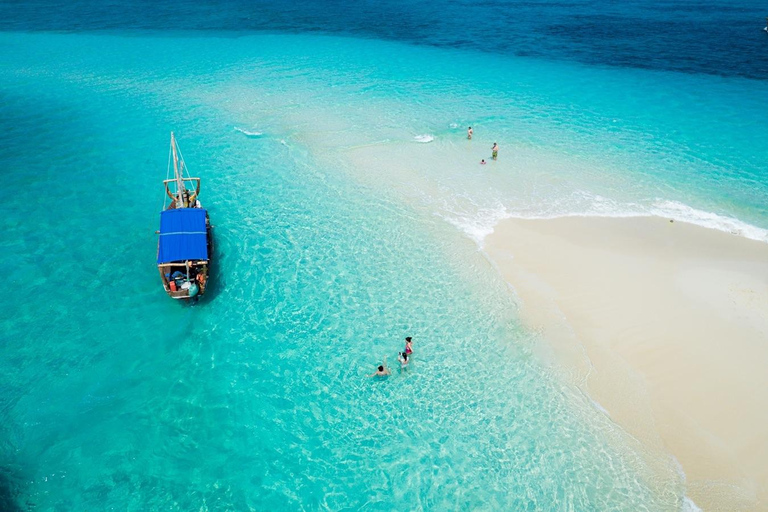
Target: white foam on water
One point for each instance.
(424, 138)
(454, 125)
(599, 407)
(689, 505)
(479, 225)
(248, 133)
(684, 213)
(482, 222)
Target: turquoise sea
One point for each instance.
(349, 212)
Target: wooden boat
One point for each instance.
(185, 244)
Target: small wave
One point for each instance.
(689, 505)
(248, 133)
(480, 225)
(481, 222)
(592, 205)
(599, 407)
(454, 125)
(684, 213)
(424, 138)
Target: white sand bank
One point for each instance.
(666, 326)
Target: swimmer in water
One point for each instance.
(482, 162)
(469, 133)
(408, 346)
(403, 358)
(495, 151)
(382, 370)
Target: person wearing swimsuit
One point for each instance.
(403, 358)
(408, 346)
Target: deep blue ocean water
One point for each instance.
(348, 208)
(721, 37)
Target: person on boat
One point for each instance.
(382, 370)
(190, 269)
(495, 151)
(469, 133)
(408, 346)
(403, 358)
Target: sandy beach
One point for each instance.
(665, 325)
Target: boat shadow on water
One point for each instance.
(8, 492)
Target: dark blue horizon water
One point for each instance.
(718, 37)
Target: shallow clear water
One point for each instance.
(336, 172)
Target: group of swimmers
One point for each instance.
(404, 357)
(494, 149)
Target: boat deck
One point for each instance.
(179, 294)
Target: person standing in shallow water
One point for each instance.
(469, 133)
(403, 358)
(495, 151)
(408, 346)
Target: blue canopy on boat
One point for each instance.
(182, 235)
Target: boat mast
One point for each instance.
(179, 181)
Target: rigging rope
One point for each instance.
(167, 173)
(182, 163)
